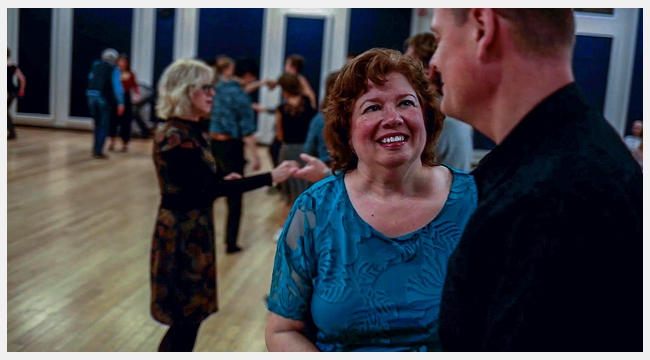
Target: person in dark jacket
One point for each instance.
(105, 97)
(183, 263)
(552, 258)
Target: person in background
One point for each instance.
(552, 258)
(131, 92)
(13, 91)
(105, 96)
(247, 70)
(633, 141)
(638, 151)
(183, 263)
(456, 143)
(315, 143)
(232, 128)
(292, 120)
(361, 261)
(294, 64)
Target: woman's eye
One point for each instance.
(408, 103)
(371, 108)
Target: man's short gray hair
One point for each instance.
(110, 55)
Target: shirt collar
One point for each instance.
(548, 116)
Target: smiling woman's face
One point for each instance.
(387, 126)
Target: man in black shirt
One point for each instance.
(552, 259)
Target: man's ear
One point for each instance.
(485, 31)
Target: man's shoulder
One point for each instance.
(230, 91)
(229, 86)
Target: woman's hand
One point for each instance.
(314, 169)
(270, 83)
(258, 108)
(284, 171)
(232, 176)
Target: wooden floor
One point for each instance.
(78, 241)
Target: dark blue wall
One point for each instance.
(95, 30)
(164, 46)
(304, 37)
(236, 33)
(590, 67)
(635, 109)
(386, 28)
(233, 32)
(34, 59)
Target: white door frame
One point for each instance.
(334, 52)
(622, 28)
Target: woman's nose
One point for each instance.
(391, 116)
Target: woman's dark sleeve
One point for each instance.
(188, 170)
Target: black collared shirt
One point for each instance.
(552, 259)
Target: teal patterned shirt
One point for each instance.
(232, 113)
(356, 289)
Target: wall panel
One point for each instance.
(635, 108)
(591, 66)
(304, 36)
(95, 30)
(378, 27)
(164, 48)
(33, 58)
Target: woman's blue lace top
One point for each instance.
(356, 289)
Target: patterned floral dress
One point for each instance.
(357, 289)
(183, 264)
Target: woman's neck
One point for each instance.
(405, 181)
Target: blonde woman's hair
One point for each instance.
(176, 84)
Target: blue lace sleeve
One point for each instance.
(294, 268)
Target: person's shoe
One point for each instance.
(231, 249)
(100, 156)
(111, 147)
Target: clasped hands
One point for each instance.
(313, 170)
